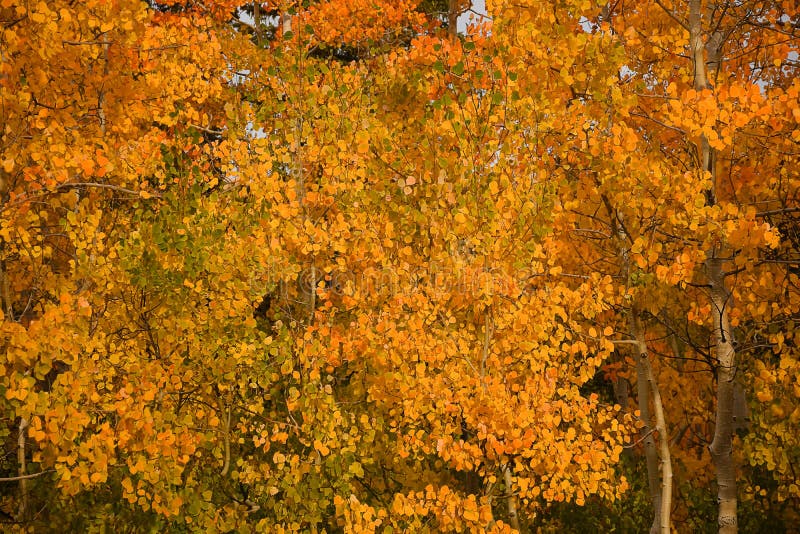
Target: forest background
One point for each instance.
(354, 266)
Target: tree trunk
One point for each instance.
(286, 21)
(662, 496)
(644, 385)
(22, 512)
(452, 18)
(257, 21)
(722, 446)
(513, 516)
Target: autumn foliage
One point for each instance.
(341, 266)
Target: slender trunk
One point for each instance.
(307, 281)
(286, 21)
(452, 18)
(227, 454)
(487, 338)
(257, 21)
(101, 96)
(5, 287)
(312, 293)
(622, 394)
(489, 501)
(21, 460)
(722, 445)
(644, 384)
(513, 517)
(645, 371)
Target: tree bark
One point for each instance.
(644, 386)
(662, 497)
(23, 479)
(513, 516)
(722, 445)
(257, 21)
(645, 382)
(286, 21)
(452, 18)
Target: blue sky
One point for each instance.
(478, 6)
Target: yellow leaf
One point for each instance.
(471, 515)
(321, 448)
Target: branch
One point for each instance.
(160, 48)
(206, 129)
(43, 192)
(672, 15)
(777, 212)
(665, 125)
(25, 477)
(735, 271)
(81, 43)
(105, 186)
(641, 439)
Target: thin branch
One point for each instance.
(487, 336)
(82, 43)
(206, 129)
(25, 477)
(672, 15)
(160, 48)
(104, 186)
(640, 440)
(30, 197)
(777, 212)
(665, 125)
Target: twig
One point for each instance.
(777, 212)
(206, 129)
(104, 186)
(25, 477)
(672, 15)
(81, 43)
(641, 439)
